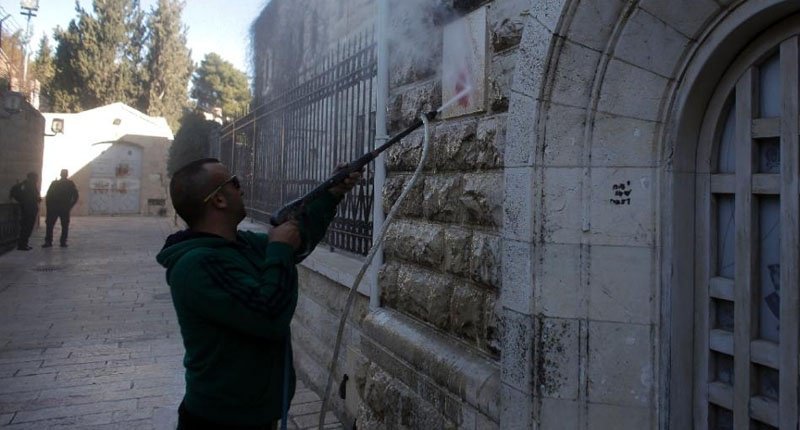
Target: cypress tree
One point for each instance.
(169, 62)
(99, 57)
(43, 70)
(217, 83)
(191, 141)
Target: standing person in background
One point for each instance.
(26, 193)
(61, 197)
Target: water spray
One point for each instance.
(456, 99)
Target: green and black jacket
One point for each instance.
(234, 302)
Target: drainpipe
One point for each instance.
(382, 27)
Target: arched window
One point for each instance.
(746, 297)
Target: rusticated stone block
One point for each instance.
(506, 23)
(394, 187)
(507, 33)
(407, 107)
(441, 198)
(467, 316)
(394, 108)
(391, 404)
(379, 395)
(366, 420)
(452, 145)
(405, 155)
(456, 257)
(485, 261)
(406, 72)
(425, 295)
(493, 328)
(482, 200)
(387, 278)
(408, 69)
(413, 25)
(415, 241)
(490, 141)
(499, 82)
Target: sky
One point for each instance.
(220, 26)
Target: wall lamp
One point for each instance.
(57, 126)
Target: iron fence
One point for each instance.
(287, 146)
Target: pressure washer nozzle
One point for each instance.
(432, 115)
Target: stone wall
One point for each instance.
(154, 184)
(22, 149)
(519, 290)
(22, 146)
(442, 275)
(314, 328)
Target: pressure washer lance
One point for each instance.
(293, 209)
(423, 120)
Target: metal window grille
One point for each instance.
(287, 146)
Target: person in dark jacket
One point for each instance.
(61, 197)
(235, 293)
(26, 193)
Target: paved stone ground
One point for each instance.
(88, 335)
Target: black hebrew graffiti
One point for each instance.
(622, 193)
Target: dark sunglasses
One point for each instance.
(232, 180)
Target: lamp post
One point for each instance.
(29, 9)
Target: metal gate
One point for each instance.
(115, 181)
(290, 144)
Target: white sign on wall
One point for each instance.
(464, 65)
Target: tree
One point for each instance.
(99, 59)
(191, 141)
(118, 63)
(169, 63)
(218, 84)
(12, 48)
(67, 81)
(44, 68)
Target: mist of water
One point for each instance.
(415, 34)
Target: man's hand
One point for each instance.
(343, 188)
(288, 233)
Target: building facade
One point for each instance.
(22, 148)
(579, 245)
(117, 157)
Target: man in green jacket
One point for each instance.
(235, 293)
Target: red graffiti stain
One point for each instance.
(122, 170)
(462, 82)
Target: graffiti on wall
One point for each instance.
(116, 181)
(622, 193)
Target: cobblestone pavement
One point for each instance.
(88, 335)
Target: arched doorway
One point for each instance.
(115, 181)
(746, 264)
